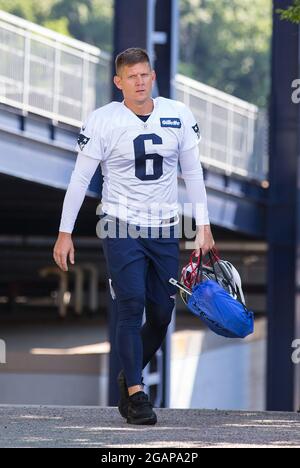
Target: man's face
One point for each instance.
(135, 82)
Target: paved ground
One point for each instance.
(45, 426)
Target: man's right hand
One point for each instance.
(63, 249)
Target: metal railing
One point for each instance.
(48, 73)
(234, 132)
(64, 79)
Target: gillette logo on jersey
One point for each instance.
(169, 122)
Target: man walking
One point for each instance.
(139, 144)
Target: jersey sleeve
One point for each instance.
(89, 141)
(82, 174)
(191, 132)
(192, 173)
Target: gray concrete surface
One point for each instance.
(49, 426)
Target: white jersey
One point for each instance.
(139, 160)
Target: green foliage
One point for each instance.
(228, 43)
(87, 20)
(223, 43)
(60, 25)
(292, 13)
(32, 10)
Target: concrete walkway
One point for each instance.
(45, 426)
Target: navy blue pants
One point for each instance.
(140, 270)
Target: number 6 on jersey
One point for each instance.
(144, 170)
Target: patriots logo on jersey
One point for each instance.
(82, 140)
(170, 122)
(196, 130)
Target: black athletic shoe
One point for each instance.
(124, 396)
(140, 410)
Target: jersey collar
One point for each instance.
(155, 105)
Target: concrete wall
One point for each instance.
(212, 372)
(54, 380)
(68, 365)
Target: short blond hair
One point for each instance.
(131, 56)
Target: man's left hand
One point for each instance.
(204, 240)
